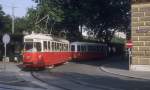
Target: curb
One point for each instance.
(18, 79)
(13, 81)
(102, 68)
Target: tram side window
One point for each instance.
(38, 46)
(78, 48)
(57, 46)
(53, 46)
(49, 46)
(60, 47)
(83, 48)
(102, 50)
(99, 48)
(28, 45)
(45, 45)
(90, 48)
(65, 47)
(72, 48)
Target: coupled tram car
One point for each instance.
(88, 51)
(43, 50)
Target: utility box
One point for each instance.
(6, 59)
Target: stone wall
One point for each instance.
(140, 29)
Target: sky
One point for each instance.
(21, 6)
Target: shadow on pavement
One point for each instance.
(68, 79)
(118, 62)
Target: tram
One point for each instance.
(88, 51)
(43, 50)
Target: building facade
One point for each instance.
(140, 34)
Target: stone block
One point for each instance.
(135, 38)
(137, 43)
(134, 28)
(136, 24)
(134, 19)
(144, 9)
(135, 33)
(134, 9)
(137, 14)
(147, 43)
(147, 13)
(134, 61)
(147, 23)
(144, 38)
(144, 48)
(147, 34)
(138, 53)
(144, 61)
(135, 48)
(144, 18)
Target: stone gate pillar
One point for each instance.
(140, 34)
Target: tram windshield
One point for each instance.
(32, 46)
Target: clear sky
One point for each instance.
(21, 6)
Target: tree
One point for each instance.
(98, 15)
(5, 22)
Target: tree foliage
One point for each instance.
(103, 17)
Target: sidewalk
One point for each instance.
(9, 73)
(121, 67)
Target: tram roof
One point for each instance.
(86, 43)
(38, 36)
(44, 37)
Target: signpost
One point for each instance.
(129, 45)
(6, 40)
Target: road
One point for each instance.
(87, 75)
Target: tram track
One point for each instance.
(81, 83)
(54, 85)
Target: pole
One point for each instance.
(5, 58)
(13, 19)
(129, 51)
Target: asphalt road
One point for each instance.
(87, 75)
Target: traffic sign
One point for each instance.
(129, 44)
(6, 38)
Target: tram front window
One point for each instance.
(28, 46)
(32, 47)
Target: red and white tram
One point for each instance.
(88, 51)
(41, 50)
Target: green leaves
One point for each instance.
(97, 15)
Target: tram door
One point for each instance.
(73, 50)
(45, 52)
